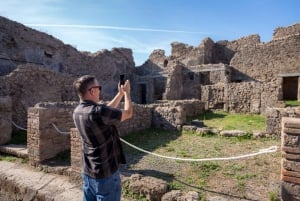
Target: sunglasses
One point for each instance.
(99, 87)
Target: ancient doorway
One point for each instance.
(290, 88)
(143, 93)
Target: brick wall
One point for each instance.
(290, 171)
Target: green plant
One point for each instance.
(273, 196)
(226, 121)
(8, 158)
(126, 192)
(174, 186)
(292, 103)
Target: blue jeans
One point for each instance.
(106, 189)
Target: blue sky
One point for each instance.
(145, 25)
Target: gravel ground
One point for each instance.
(2, 198)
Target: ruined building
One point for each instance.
(243, 75)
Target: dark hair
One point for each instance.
(82, 84)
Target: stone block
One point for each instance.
(285, 172)
(294, 131)
(232, 133)
(290, 140)
(290, 191)
(290, 156)
(291, 165)
(294, 150)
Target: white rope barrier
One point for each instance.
(19, 127)
(59, 131)
(261, 151)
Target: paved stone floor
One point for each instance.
(37, 183)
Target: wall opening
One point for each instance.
(204, 78)
(143, 93)
(290, 88)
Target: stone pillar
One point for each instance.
(5, 119)
(76, 151)
(290, 166)
(43, 140)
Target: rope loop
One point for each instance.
(261, 151)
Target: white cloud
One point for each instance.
(80, 26)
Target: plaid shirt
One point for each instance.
(101, 145)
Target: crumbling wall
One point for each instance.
(174, 86)
(283, 32)
(274, 116)
(20, 45)
(49, 125)
(30, 84)
(190, 56)
(245, 97)
(265, 62)
(172, 115)
(43, 140)
(5, 119)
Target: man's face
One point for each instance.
(95, 91)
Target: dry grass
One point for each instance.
(254, 178)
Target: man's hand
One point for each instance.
(126, 87)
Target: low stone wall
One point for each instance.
(246, 97)
(5, 119)
(274, 117)
(141, 119)
(172, 115)
(43, 140)
(290, 171)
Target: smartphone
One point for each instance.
(122, 79)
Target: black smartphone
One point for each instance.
(122, 79)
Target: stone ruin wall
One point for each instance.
(283, 32)
(44, 141)
(245, 97)
(275, 115)
(265, 62)
(5, 119)
(30, 84)
(172, 115)
(20, 44)
(27, 55)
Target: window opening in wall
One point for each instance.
(191, 75)
(165, 63)
(143, 93)
(290, 88)
(204, 78)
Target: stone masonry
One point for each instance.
(290, 169)
(36, 67)
(274, 118)
(43, 140)
(5, 119)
